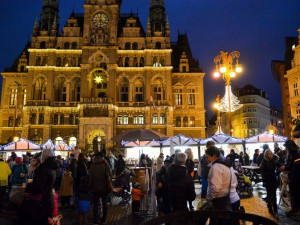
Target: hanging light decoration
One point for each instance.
(234, 102)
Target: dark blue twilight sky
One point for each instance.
(256, 28)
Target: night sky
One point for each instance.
(256, 28)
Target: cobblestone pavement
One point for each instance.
(121, 214)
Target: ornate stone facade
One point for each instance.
(100, 76)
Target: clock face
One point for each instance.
(100, 20)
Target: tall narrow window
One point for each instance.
(191, 96)
(71, 119)
(127, 46)
(155, 119)
(158, 89)
(178, 121)
(76, 120)
(135, 119)
(62, 119)
(120, 120)
(295, 89)
(125, 119)
(135, 46)
(185, 121)
(127, 61)
(10, 121)
(55, 119)
(39, 90)
(13, 96)
(192, 122)
(141, 119)
(41, 118)
(142, 62)
(178, 96)
(157, 45)
(67, 45)
(162, 119)
(33, 119)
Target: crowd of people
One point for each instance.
(81, 181)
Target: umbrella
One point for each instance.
(140, 135)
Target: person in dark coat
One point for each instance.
(81, 169)
(269, 178)
(241, 158)
(190, 166)
(181, 186)
(231, 157)
(246, 159)
(293, 168)
(261, 157)
(39, 204)
(255, 156)
(120, 165)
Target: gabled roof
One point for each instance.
(123, 19)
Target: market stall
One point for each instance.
(62, 149)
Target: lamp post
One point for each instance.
(228, 65)
(217, 106)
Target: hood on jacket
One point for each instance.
(99, 160)
(177, 172)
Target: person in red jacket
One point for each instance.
(136, 197)
(55, 210)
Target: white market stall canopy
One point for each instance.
(132, 144)
(21, 145)
(222, 139)
(180, 140)
(265, 137)
(62, 146)
(48, 145)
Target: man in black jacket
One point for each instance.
(181, 187)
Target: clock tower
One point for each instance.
(101, 22)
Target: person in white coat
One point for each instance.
(159, 162)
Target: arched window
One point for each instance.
(155, 118)
(58, 140)
(22, 69)
(45, 61)
(124, 90)
(142, 62)
(73, 141)
(135, 119)
(155, 61)
(62, 119)
(178, 121)
(67, 45)
(125, 119)
(103, 65)
(192, 121)
(43, 45)
(162, 119)
(18, 121)
(141, 119)
(158, 89)
(71, 119)
(76, 88)
(127, 46)
(58, 61)
(127, 61)
(74, 45)
(10, 121)
(120, 120)
(135, 62)
(185, 121)
(55, 119)
(39, 89)
(41, 118)
(157, 45)
(135, 46)
(33, 119)
(61, 90)
(138, 90)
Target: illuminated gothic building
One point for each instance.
(100, 75)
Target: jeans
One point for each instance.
(96, 201)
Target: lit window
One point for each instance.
(73, 141)
(24, 96)
(178, 96)
(141, 119)
(58, 140)
(191, 96)
(135, 119)
(162, 119)
(155, 119)
(120, 120)
(13, 96)
(125, 119)
(185, 121)
(192, 122)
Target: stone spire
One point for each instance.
(49, 13)
(157, 16)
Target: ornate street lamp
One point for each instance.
(229, 66)
(218, 124)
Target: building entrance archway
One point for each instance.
(96, 141)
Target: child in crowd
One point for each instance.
(136, 197)
(66, 188)
(84, 202)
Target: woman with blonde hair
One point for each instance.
(190, 166)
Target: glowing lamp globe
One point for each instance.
(216, 105)
(223, 69)
(232, 74)
(16, 139)
(216, 74)
(238, 69)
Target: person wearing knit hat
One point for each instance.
(181, 187)
(180, 158)
(19, 171)
(46, 154)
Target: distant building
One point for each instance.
(293, 80)
(277, 124)
(102, 75)
(279, 69)
(254, 117)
